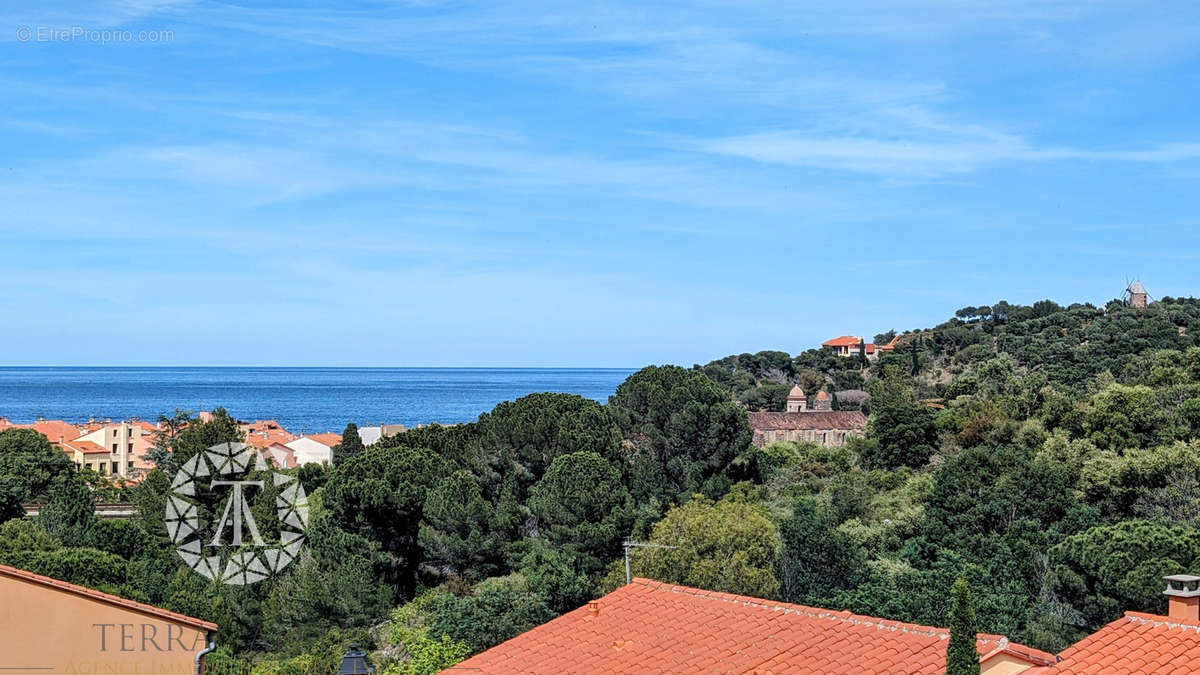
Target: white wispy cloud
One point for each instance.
(913, 142)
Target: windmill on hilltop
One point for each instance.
(1135, 294)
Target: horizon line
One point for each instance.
(5, 367)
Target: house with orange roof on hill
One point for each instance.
(851, 345)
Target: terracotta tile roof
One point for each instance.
(826, 419)
(1135, 643)
(870, 347)
(326, 439)
(55, 430)
(265, 433)
(652, 627)
(843, 341)
(891, 345)
(86, 447)
(142, 607)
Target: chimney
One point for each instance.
(1183, 597)
(594, 608)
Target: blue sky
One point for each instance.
(577, 184)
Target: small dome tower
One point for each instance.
(796, 400)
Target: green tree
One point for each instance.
(429, 656)
(29, 466)
(457, 528)
(583, 508)
(961, 656)
(24, 534)
(195, 437)
(524, 436)
(70, 511)
(817, 559)
(1120, 418)
(381, 494)
(495, 610)
(730, 546)
(1109, 569)
(83, 566)
(693, 433)
(555, 575)
(350, 446)
(903, 427)
(332, 585)
(163, 438)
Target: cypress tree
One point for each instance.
(961, 657)
(350, 446)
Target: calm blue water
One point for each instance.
(309, 400)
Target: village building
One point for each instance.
(372, 435)
(265, 433)
(48, 625)
(314, 448)
(127, 443)
(821, 424)
(87, 454)
(283, 456)
(108, 448)
(848, 345)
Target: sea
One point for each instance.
(302, 400)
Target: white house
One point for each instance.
(311, 450)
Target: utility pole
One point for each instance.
(637, 544)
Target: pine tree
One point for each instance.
(70, 511)
(961, 657)
(350, 446)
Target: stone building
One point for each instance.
(821, 424)
(1137, 295)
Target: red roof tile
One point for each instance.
(1135, 643)
(265, 433)
(86, 447)
(326, 439)
(826, 419)
(652, 627)
(843, 341)
(92, 593)
(55, 430)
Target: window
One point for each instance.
(114, 447)
(131, 447)
(114, 468)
